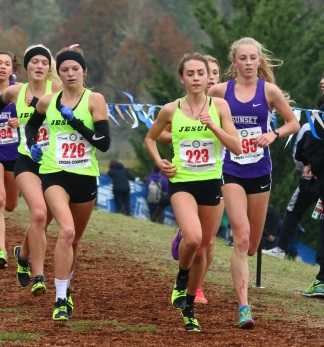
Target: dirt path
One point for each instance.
(120, 303)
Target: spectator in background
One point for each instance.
(157, 194)
(314, 159)
(120, 177)
(224, 230)
(271, 228)
(305, 195)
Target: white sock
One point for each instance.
(61, 287)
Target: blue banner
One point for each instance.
(138, 194)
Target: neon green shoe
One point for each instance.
(23, 268)
(190, 322)
(246, 321)
(178, 298)
(38, 287)
(69, 302)
(316, 289)
(60, 310)
(3, 259)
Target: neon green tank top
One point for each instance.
(24, 112)
(68, 150)
(197, 151)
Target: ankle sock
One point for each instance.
(61, 287)
(241, 307)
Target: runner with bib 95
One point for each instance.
(251, 94)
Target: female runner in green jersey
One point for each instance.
(41, 80)
(78, 125)
(200, 126)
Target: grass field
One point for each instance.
(149, 244)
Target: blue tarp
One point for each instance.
(139, 207)
(306, 253)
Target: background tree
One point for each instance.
(38, 19)
(293, 30)
(14, 40)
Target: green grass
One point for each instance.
(149, 244)
(6, 336)
(82, 326)
(9, 310)
(13, 314)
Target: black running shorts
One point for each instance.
(250, 185)
(80, 188)
(205, 192)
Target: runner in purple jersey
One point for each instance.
(8, 152)
(9, 138)
(251, 94)
(252, 119)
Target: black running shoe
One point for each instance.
(38, 287)
(178, 298)
(23, 268)
(3, 259)
(190, 322)
(69, 302)
(60, 310)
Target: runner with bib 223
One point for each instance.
(200, 126)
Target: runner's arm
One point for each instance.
(278, 101)
(166, 136)
(218, 90)
(36, 120)
(99, 137)
(9, 95)
(162, 121)
(227, 133)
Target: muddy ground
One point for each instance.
(118, 302)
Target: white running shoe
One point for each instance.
(274, 252)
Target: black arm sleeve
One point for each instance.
(2, 103)
(99, 138)
(34, 101)
(32, 126)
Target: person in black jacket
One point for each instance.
(314, 157)
(120, 177)
(305, 195)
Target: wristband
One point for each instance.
(276, 132)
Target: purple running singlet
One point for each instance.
(251, 119)
(9, 137)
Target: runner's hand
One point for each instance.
(206, 120)
(266, 139)
(307, 172)
(67, 113)
(36, 153)
(167, 168)
(13, 122)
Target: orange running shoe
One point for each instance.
(200, 297)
